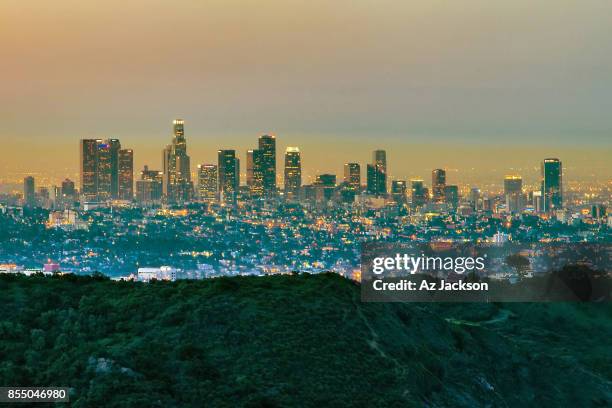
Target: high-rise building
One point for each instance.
(293, 173)
(352, 176)
(379, 158)
(418, 193)
(438, 182)
(475, 199)
(267, 146)
(104, 171)
(88, 168)
(451, 195)
(324, 187)
(513, 193)
(255, 173)
(68, 192)
(398, 191)
(376, 174)
(29, 192)
(552, 185)
(126, 174)
(207, 182)
(177, 185)
(149, 187)
(114, 146)
(229, 171)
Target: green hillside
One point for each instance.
(304, 341)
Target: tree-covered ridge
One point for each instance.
(303, 340)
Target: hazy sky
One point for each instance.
(424, 79)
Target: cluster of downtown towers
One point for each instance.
(107, 172)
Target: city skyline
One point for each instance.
(422, 78)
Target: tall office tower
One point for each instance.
(475, 198)
(293, 173)
(352, 176)
(126, 174)
(418, 193)
(324, 187)
(255, 173)
(513, 193)
(376, 180)
(379, 158)
(149, 187)
(29, 192)
(398, 191)
(228, 167)
(267, 146)
(552, 185)
(68, 193)
(438, 181)
(177, 185)
(104, 171)
(114, 148)
(88, 151)
(451, 196)
(207, 182)
(377, 174)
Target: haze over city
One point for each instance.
(484, 88)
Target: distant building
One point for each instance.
(207, 182)
(475, 198)
(438, 182)
(267, 146)
(229, 173)
(29, 192)
(513, 193)
(177, 185)
(126, 174)
(325, 185)
(101, 164)
(149, 188)
(398, 191)
(68, 192)
(418, 193)
(451, 196)
(377, 174)
(352, 176)
(552, 185)
(293, 173)
(254, 168)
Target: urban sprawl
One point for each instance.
(168, 224)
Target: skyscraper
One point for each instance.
(451, 195)
(438, 182)
(379, 158)
(126, 174)
(398, 191)
(552, 185)
(267, 146)
(229, 170)
(177, 183)
(104, 171)
(149, 187)
(418, 193)
(293, 173)
(377, 174)
(255, 173)
(114, 148)
(207, 182)
(68, 192)
(324, 187)
(29, 192)
(513, 193)
(88, 167)
(352, 176)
